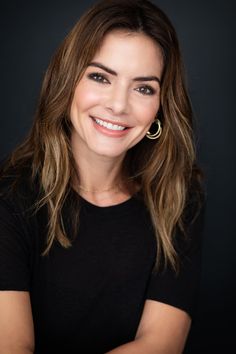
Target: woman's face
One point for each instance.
(118, 97)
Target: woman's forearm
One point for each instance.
(138, 346)
(16, 350)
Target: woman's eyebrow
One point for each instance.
(112, 72)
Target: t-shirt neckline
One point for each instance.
(92, 206)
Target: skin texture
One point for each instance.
(119, 99)
(16, 323)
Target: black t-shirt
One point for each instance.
(89, 298)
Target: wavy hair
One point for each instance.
(164, 169)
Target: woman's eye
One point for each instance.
(98, 77)
(146, 90)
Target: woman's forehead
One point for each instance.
(130, 51)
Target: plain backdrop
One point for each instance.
(30, 31)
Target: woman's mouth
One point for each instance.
(109, 125)
(114, 127)
(110, 128)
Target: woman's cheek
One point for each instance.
(146, 113)
(87, 97)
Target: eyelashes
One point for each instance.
(146, 90)
(99, 78)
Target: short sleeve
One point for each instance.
(14, 250)
(181, 289)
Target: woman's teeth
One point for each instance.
(108, 125)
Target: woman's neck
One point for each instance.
(99, 179)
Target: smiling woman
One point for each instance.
(119, 100)
(100, 207)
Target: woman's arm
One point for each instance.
(163, 329)
(16, 323)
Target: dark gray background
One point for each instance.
(31, 31)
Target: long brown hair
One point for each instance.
(164, 169)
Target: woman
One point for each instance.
(98, 246)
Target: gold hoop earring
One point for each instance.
(158, 132)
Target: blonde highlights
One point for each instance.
(164, 169)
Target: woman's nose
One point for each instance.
(117, 100)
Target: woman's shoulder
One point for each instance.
(17, 187)
(195, 203)
(189, 233)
